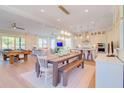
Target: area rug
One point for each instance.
(78, 78)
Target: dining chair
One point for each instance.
(45, 69)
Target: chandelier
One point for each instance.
(63, 35)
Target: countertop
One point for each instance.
(103, 58)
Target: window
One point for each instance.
(7, 42)
(43, 42)
(17, 43)
(46, 42)
(40, 43)
(20, 43)
(68, 42)
(53, 43)
(13, 42)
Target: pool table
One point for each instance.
(15, 54)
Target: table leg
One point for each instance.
(80, 56)
(55, 74)
(11, 59)
(17, 56)
(67, 61)
(25, 57)
(82, 65)
(4, 58)
(37, 69)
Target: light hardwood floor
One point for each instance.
(93, 80)
(9, 74)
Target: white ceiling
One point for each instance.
(34, 21)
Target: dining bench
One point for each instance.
(64, 70)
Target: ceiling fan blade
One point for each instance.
(63, 9)
(20, 28)
(15, 27)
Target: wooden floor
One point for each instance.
(9, 73)
(93, 80)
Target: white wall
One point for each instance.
(113, 35)
(122, 34)
(121, 27)
(31, 41)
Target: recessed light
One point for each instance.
(58, 19)
(70, 25)
(92, 22)
(42, 10)
(86, 10)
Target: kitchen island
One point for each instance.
(109, 72)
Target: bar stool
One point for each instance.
(89, 55)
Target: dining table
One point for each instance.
(56, 60)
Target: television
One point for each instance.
(59, 44)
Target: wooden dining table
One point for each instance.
(56, 60)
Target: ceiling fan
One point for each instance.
(16, 27)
